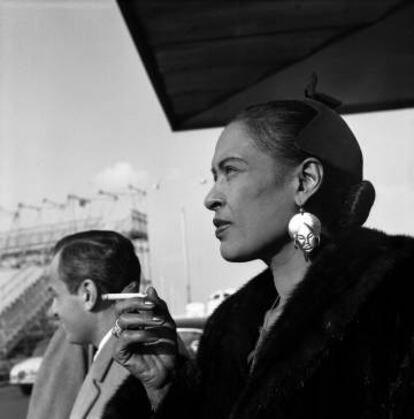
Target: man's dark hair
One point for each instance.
(106, 257)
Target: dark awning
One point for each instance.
(208, 59)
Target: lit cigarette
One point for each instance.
(122, 296)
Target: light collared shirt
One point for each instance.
(102, 343)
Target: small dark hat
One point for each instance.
(328, 137)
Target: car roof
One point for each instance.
(190, 322)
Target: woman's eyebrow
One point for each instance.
(226, 160)
(230, 160)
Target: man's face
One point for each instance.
(68, 307)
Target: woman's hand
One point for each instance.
(147, 342)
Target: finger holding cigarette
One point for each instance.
(144, 314)
(147, 305)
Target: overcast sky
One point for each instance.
(78, 113)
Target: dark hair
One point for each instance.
(341, 202)
(106, 257)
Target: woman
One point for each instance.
(327, 330)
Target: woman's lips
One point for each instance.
(221, 227)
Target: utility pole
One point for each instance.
(185, 253)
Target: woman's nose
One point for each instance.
(213, 199)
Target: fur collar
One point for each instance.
(342, 278)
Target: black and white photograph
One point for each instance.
(206, 209)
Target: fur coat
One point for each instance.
(342, 348)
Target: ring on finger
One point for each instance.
(117, 329)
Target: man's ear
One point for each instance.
(89, 294)
(310, 175)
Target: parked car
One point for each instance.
(216, 298)
(5, 367)
(190, 330)
(23, 374)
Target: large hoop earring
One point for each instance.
(305, 230)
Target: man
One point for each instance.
(84, 266)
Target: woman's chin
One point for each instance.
(231, 254)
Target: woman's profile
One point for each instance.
(326, 331)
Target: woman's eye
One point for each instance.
(228, 170)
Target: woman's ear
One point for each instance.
(310, 176)
(88, 293)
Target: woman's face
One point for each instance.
(252, 197)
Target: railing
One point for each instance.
(22, 280)
(19, 313)
(43, 237)
(23, 241)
